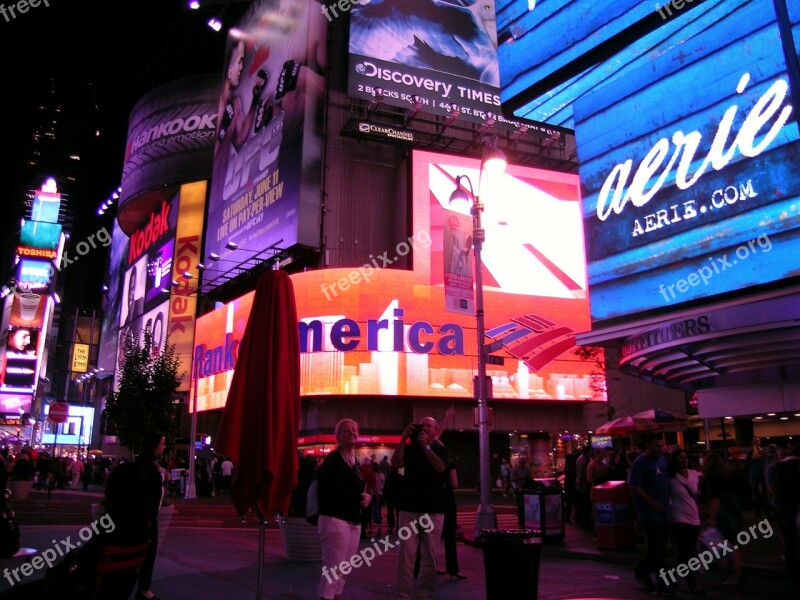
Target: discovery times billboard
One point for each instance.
(688, 160)
(434, 53)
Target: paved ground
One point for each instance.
(208, 553)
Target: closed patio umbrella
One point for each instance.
(261, 420)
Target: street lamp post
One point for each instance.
(493, 160)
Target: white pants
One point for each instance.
(339, 540)
(427, 544)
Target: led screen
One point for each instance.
(46, 207)
(34, 275)
(40, 235)
(378, 331)
(539, 81)
(159, 271)
(15, 404)
(267, 145)
(688, 167)
(20, 361)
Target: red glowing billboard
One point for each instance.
(375, 331)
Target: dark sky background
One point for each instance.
(119, 47)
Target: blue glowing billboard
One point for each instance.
(688, 167)
(36, 234)
(687, 141)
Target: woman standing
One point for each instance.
(684, 515)
(341, 499)
(153, 445)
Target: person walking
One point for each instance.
(76, 469)
(341, 499)
(505, 476)
(153, 445)
(583, 503)
(425, 459)
(368, 475)
(787, 502)
(649, 484)
(392, 493)
(725, 507)
(684, 513)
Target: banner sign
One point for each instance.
(265, 184)
(458, 260)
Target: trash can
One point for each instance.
(511, 563)
(541, 507)
(613, 516)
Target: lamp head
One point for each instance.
(494, 160)
(460, 200)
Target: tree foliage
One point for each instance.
(144, 398)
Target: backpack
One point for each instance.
(312, 503)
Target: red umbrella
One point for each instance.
(259, 426)
(261, 420)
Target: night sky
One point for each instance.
(111, 44)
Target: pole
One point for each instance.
(191, 491)
(485, 517)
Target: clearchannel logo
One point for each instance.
(371, 128)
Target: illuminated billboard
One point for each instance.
(426, 55)
(46, 207)
(265, 186)
(28, 310)
(692, 195)
(539, 81)
(16, 404)
(35, 234)
(34, 275)
(170, 136)
(375, 331)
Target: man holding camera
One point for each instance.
(424, 459)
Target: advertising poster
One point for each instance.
(171, 136)
(216, 348)
(15, 404)
(35, 234)
(46, 207)
(156, 319)
(35, 275)
(159, 270)
(698, 197)
(378, 331)
(432, 53)
(188, 252)
(114, 296)
(28, 309)
(458, 261)
(265, 186)
(21, 359)
(134, 286)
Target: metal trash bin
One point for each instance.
(511, 563)
(541, 507)
(613, 516)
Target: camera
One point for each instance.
(416, 429)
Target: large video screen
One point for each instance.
(372, 330)
(35, 234)
(688, 167)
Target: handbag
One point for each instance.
(9, 534)
(312, 503)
